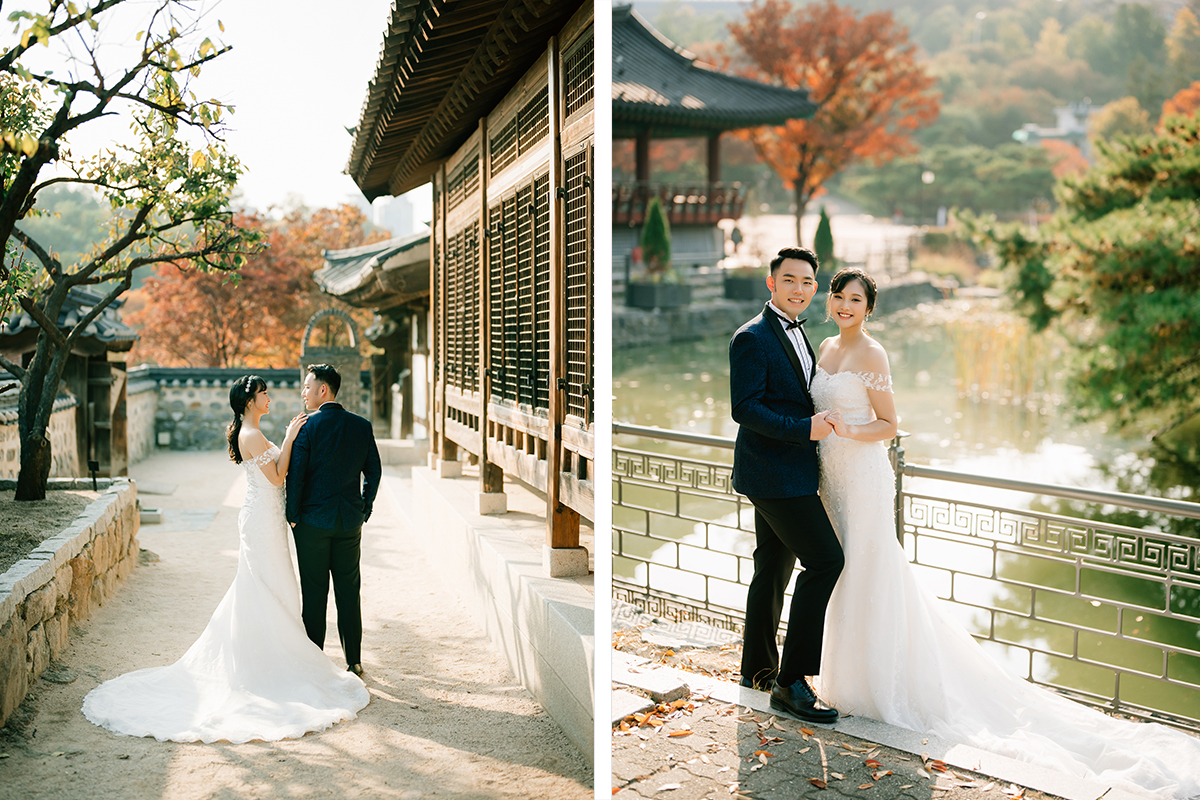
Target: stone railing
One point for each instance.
(63, 582)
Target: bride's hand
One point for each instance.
(295, 425)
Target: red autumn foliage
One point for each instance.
(193, 318)
(1068, 160)
(863, 73)
(1185, 102)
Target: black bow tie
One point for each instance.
(789, 325)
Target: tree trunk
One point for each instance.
(35, 468)
(801, 203)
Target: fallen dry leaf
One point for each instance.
(907, 786)
(1014, 791)
(817, 782)
(807, 732)
(940, 766)
(838, 776)
(880, 774)
(923, 773)
(865, 785)
(805, 750)
(666, 787)
(757, 767)
(872, 763)
(616, 789)
(679, 733)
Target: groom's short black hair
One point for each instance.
(800, 253)
(327, 375)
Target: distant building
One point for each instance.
(660, 91)
(393, 214)
(1070, 125)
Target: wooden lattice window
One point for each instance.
(578, 285)
(519, 278)
(462, 308)
(518, 136)
(579, 73)
(463, 181)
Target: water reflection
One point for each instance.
(980, 394)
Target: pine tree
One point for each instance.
(1116, 271)
(823, 242)
(656, 238)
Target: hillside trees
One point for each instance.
(1115, 272)
(167, 183)
(863, 72)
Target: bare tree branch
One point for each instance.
(17, 51)
(97, 309)
(15, 369)
(43, 321)
(52, 264)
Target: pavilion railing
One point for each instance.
(1102, 612)
(684, 204)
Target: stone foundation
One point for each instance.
(60, 583)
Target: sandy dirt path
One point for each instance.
(446, 719)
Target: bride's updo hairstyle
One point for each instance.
(240, 395)
(843, 277)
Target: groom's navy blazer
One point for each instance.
(334, 470)
(774, 456)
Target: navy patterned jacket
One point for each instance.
(773, 457)
(334, 469)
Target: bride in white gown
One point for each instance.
(253, 673)
(893, 654)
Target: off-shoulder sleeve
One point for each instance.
(876, 381)
(270, 454)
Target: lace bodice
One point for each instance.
(256, 481)
(847, 392)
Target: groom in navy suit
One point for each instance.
(775, 465)
(331, 486)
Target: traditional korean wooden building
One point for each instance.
(95, 375)
(492, 101)
(660, 91)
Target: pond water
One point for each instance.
(977, 393)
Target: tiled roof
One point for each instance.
(106, 328)
(660, 87)
(378, 275)
(443, 65)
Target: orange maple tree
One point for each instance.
(191, 318)
(1185, 102)
(1068, 159)
(863, 74)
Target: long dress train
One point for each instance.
(253, 673)
(892, 653)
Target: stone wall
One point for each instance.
(60, 583)
(191, 405)
(62, 438)
(141, 405)
(633, 327)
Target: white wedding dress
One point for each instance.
(253, 673)
(892, 653)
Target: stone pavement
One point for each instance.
(446, 717)
(683, 729)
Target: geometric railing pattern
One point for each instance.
(1104, 613)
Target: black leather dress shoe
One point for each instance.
(799, 699)
(356, 669)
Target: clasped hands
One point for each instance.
(828, 422)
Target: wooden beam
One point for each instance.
(562, 523)
(491, 476)
(642, 157)
(714, 157)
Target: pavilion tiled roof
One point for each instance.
(106, 331)
(661, 88)
(378, 275)
(443, 65)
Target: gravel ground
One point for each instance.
(446, 717)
